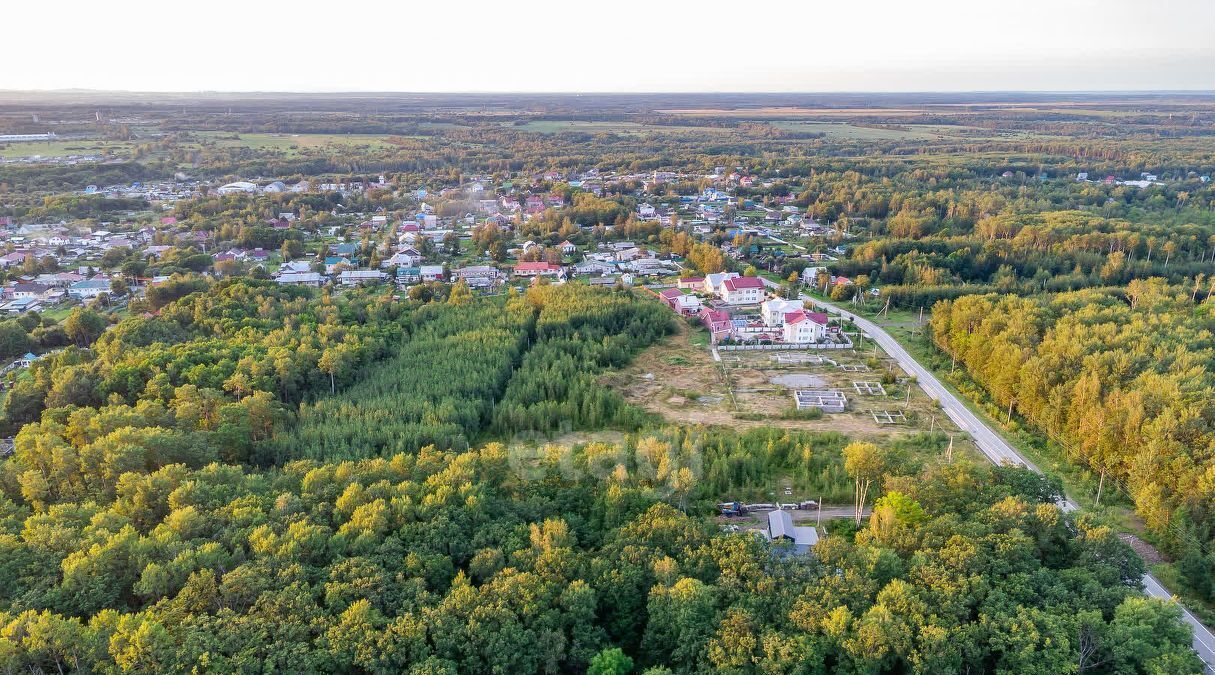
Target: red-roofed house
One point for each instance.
(536, 269)
(802, 326)
(742, 291)
(679, 301)
(717, 322)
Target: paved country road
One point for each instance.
(996, 448)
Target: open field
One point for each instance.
(787, 112)
(566, 126)
(286, 143)
(844, 131)
(291, 143)
(682, 383)
(66, 148)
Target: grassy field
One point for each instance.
(65, 148)
(584, 126)
(286, 143)
(849, 132)
(293, 143)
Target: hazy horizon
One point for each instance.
(623, 47)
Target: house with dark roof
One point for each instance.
(781, 530)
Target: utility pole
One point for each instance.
(921, 314)
(1010, 406)
(907, 403)
(949, 450)
(820, 512)
(933, 424)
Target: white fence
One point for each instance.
(784, 346)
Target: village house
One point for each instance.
(294, 267)
(22, 291)
(332, 262)
(594, 268)
(14, 258)
(311, 279)
(408, 275)
(361, 277)
(718, 323)
(90, 288)
(802, 327)
(742, 291)
(536, 269)
(477, 276)
(782, 530)
(774, 310)
(21, 306)
(432, 272)
(683, 303)
(713, 281)
(406, 257)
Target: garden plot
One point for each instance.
(804, 380)
(888, 417)
(868, 388)
(827, 400)
(805, 359)
(854, 367)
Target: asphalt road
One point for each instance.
(996, 448)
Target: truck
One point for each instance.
(731, 509)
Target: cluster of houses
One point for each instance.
(504, 202)
(34, 293)
(710, 298)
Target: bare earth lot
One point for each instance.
(683, 383)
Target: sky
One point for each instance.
(612, 46)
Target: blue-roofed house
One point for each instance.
(333, 261)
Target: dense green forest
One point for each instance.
(259, 479)
(523, 363)
(1122, 378)
(445, 562)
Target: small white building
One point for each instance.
(237, 187)
(431, 272)
(404, 258)
(312, 279)
(361, 277)
(90, 288)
